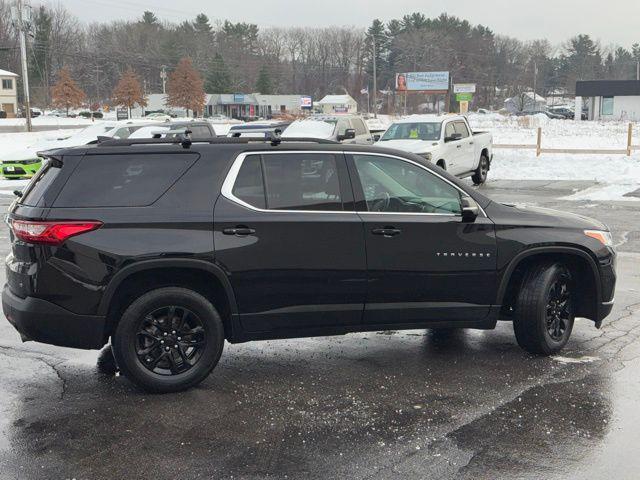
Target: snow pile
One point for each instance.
(42, 121)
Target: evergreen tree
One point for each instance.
(218, 76)
(66, 93)
(149, 18)
(129, 92)
(185, 88)
(264, 84)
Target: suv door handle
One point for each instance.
(386, 231)
(459, 146)
(239, 231)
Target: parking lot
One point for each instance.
(375, 405)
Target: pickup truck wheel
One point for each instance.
(168, 340)
(544, 313)
(480, 175)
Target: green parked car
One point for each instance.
(15, 169)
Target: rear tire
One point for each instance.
(544, 313)
(168, 340)
(481, 173)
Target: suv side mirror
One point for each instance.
(376, 137)
(348, 134)
(470, 209)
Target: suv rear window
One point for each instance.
(39, 185)
(123, 180)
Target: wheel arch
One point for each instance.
(579, 262)
(204, 277)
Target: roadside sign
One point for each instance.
(464, 88)
(122, 113)
(464, 107)
(464, 97)
(306, 102)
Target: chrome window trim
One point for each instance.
(227, 185)
(230, 180)
(432, 172)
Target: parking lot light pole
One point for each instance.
(375, 79)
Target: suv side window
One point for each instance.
(289, 181)
(200, 131)
(394, 185)
(249, 184)
(302, 181)
(449, 130)
(462, 129)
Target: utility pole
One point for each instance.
(535, 84)
(163, 76)
(375, 78)
(22, 27)
(638, 70)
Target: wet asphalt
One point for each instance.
(410, 405)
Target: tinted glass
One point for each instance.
(123, 180)
(40, 183)
(249, 186)
(393, 185)
(298, 181)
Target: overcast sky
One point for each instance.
(611, 21)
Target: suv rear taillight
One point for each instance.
(50, 233)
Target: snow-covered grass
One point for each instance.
(616, 174)
(9, 142)
(43, 121)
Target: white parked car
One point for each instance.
(339, 128)
(446, 140)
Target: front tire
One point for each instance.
(168, 340)
(481, 173)
(544, 313)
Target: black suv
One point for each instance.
(170, 247)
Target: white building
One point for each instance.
(338, 104)
(8, 93)
(610, 99)
(255, 105)
(157, 102)
(525, 102)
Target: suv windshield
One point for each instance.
(413, 131)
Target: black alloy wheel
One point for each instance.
(170, 340)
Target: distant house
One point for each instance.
(610, 99)
(525, 102)
(8, 94)
(337, 104)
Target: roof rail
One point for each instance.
(187, 142)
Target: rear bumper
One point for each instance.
(42, 321)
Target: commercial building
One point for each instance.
(610, 99)
(8, 94)
(256, 105)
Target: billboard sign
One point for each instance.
(464, 88)
(422, 82)
(306, 102)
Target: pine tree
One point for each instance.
(263, 84)
(149, 18)
(185, 88)
(218, 76)
(66, 93)
(129, 92)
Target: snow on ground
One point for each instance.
(10, 142)
(45, 121)
(617, 175)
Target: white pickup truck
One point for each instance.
(446, 140)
